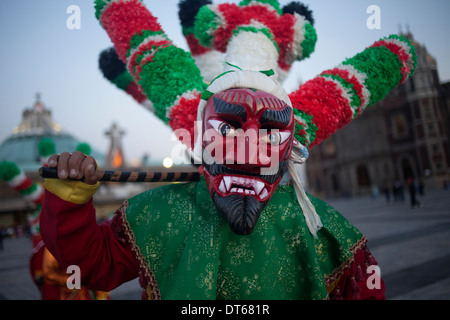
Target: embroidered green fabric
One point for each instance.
(194, 255)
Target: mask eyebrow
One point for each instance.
(276, 116)
(223, 107)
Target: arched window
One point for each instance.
(362, 175)
(407, 169)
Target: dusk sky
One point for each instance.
(40, 54)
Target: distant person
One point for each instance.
(386, 191)
(413, 193)
(375, 191)
(421, 188)
(2, 230)
(398, 191)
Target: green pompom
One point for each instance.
(84, 148)
(98, 6)
(205, 25)
(138, 38)
(122, 81)
(309, 44)
(171, 73)
(8, 170)
(412, 51)
(33, 188)
(187, 30)
(382, 68)
(46, 147)
(310, 129)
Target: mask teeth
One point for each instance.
(222, 186)
(246, 186)
(227, 181)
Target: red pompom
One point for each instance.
(357, 86)
(40, 199)
(323, 100)
(232, 17)
(194, 45)
(135, 91)
(183, 116)
(122, 20)
(25, 184)
(283, 31)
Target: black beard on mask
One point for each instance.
(241, 212)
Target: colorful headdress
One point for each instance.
(115, 71)
(209, 61)
(260, 42)
(258, 35)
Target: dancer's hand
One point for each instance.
(75, 166)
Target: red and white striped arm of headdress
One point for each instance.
(331, 100)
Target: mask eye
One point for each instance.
(276, 138)
(223, 128)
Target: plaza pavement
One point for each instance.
(411, 245)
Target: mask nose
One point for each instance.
(248, 147)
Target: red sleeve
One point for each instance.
(72, 235)
(359, 280)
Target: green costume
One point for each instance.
(188, 251)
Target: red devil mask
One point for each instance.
(247, 140)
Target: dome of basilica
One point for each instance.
(37, 123)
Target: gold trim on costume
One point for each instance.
(150, 285)
(332, 279)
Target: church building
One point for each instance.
(402, 139)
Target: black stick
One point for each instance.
(130, 176)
